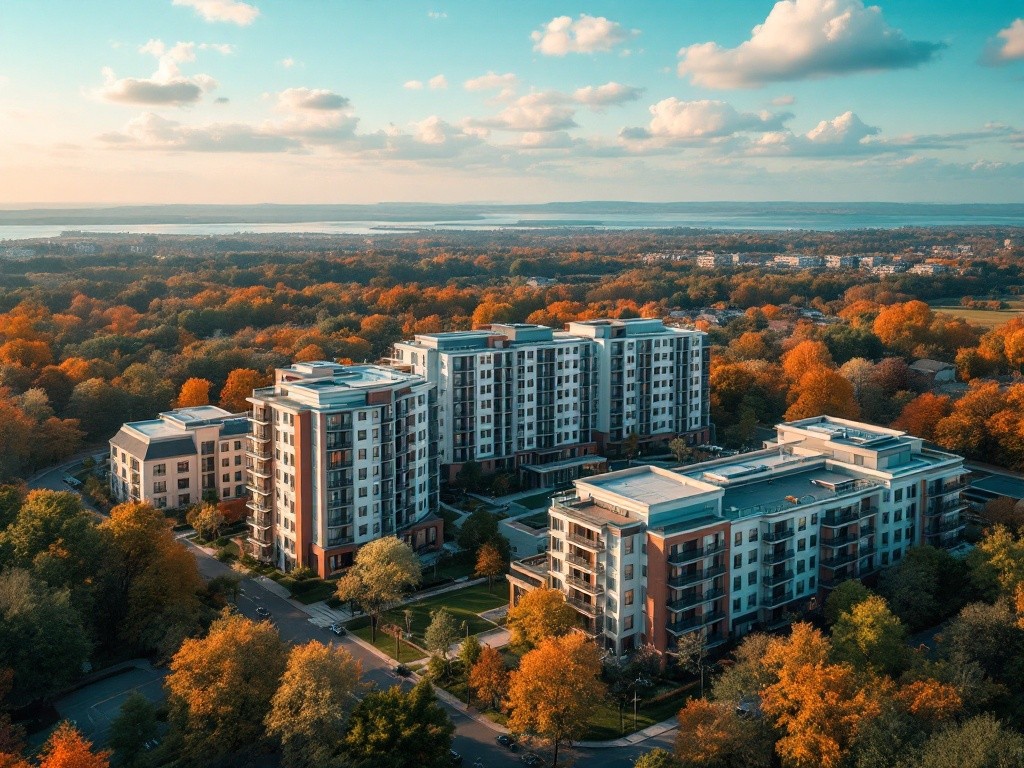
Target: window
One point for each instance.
(751, 578)
(737, 539)
(362, 530)
(737, 582)
(752, 556)
(183, 466)
(627, 622)
(737, 560)
(628, 572)
(159, 470)
(897, 495)
(184, 500)
(182, 483)
(736, 604)
(752, 535)
(207, 447)
(627, 598)
(627, 545)
(801, 566)
(225, 462)
(160, 487)
(802, 524)
(752, 600)
(801, 545)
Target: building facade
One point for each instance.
(648, 555)
(180, 458)
(339, 456)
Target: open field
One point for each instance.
(986, 318)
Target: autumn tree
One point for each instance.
(745, 675)
(194, 392)
(309, 709)
(823, 392)
(905, 326)
(921, 416)
(67, 748)
(713, 735)
(488, 677)
(556, 690)
(805, 357)
(656, 758)
(384, 570)
(134, 726)
(870, 637)
(819, 706)
(479, 528)
(207, 520)
(239, 385)
(539, 614)
(220, 688)
(489, 563)
(843, 598)
(469, 652)
(398, 729)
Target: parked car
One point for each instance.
(507, 742)
(338, 629)
(263, 613)
(532, 760)
(456, 757)
(402, 671)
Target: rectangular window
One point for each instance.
(737, 582)
(627, 545)
(752, 556)
(627, 598)
(627, 622)
(182, 466)
(751, 578)
(737, 538)
(752, 534)
(159, 470)
(737, 560)
(182, 483)
(160, 487)
(627, 572)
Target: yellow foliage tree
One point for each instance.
(239, 385)
(194, 391)
(823, 392)
(67, 748)
(489, 563)
(488, 678)
(539, 614)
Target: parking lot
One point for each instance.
(94, 706)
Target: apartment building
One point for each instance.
(648, 555)
(842, 262)
(512, 397)
(180, 457)
(339, 456)
(797, 261)
(652, 382)
(711, 260)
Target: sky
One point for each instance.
(362, 101)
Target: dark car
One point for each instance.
(338, 629)
(402, 671)
(263, 613)
(532, 760)
(456, 757)
(507, 742)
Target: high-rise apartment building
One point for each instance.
(179, 458)
(522, 397)
(648, 555)
(339, 456)
(652, 381)
(511, 397)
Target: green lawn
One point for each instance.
(604, 725)
(536, 501)
(361, 628)
(320, 591)
(987, 318)
(537, 521)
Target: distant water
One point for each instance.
(745, 218)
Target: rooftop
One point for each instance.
(646, 485)
(786, 491)
(172, 423)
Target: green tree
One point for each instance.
(870, 637)
(131, 729)
(656, 758)
(207, 519)
(927, 585)
(844, 598)
(682, 452)
(469, 652)
(399, 729)
(981, 742)
(41, 636)
(11, 499)
(470, 476)
(479, 528)
(384, 570)
(631, 675)
(745, 675)
(220, 688)
(442, 632)
(989, 636)
(308, 711)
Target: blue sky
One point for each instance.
(360, 101)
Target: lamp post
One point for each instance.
(636, 698)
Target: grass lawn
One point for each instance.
(537, 522)
(604, 725)
(361, 628)
(536, 501)
(987, 318)
(321, 591)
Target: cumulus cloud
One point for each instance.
(167, 86)
(311, 98)
(491, 82)
(606, 95)
(587, 34)
(540, 111)
(288, 63)
(438, 83)
(437, 15)
(150, 131)
(551, 140)
(225, 49)
(232, 11)
(806, 39)
(1007, 46)
(687, 122)
(783, 101)
(845, 134)
(413, 85)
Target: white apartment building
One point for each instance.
(652, 381)
(648, 555)
(339, 456)
(710, 260)
(512, 397)
(797, 261)
(180, 458)
(842, 262)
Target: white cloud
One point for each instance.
(437, 15)
(225, 49)
(805, 39)
(609, 94)
(231, 11)
(167, 86)
(318, 99)
(843, 135)
(150, 131)
(783, 101)
(587, 34)
(1009, 45)
(540, 111)
(549, 140)
(678, 121)
(413, 85)
(288, 63)
(491, 82)
(438, 83)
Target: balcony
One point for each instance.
(260, 416)
(866, 530)
(696, 622)
(260, 520)
(688, 579)
(839, 561)
(585, 585)
(839, 519)
(261, 434)
(695, 553)
(594, 545)
(867, 551)
(778, 535)
(260, 469)
(772, 558)
(692, 601)
(584, 564)
(263, 489)
(774, 579)
(587, 609)
(775, 599)
(256, 450)
(842, 541)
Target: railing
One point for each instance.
(772, 600)
(839, 561)
(778, 557)
(686, 579)
(691, 601)
(866, 530)
(589, 609)
(696, 622)
(841, 541)
(259, 520)
(696, 553)
(773, 579)
(584, 563)
(778, 536)
(595, 544)
(837, 520)
(586, 586)
(866, 551)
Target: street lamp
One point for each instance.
(636, 698)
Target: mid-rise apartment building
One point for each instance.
(339, 456)
(527, 398)
(648, 555)
(652, 381)
(797, 261)
(180, 458)
(511, 397)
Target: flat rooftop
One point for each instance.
(647, 485)
(776, 493)
(1001, 485)
(172, 423)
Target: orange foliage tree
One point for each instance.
(67, 748)
(194, 391)
(922, 415)
(239, 385)
(823, 391)
(488, 678)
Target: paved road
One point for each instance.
(96, 704)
